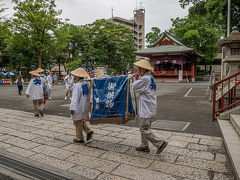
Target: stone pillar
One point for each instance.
(193, 72)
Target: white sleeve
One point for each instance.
(75, 97)
(141, 85)
(29, 88)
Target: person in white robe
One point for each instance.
(146, 87)
(35, 93)
(68, 80)
(79, 105)
(50, 82)
(46, 90)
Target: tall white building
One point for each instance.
(137, 25)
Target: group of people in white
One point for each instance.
(78, 90)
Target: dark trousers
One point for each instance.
(20, 89)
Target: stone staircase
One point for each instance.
(230, 130)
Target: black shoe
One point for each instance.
(41, 112)
(78, 141)
(143, 149)
(162, 147)
(89, 135)
(36, 115)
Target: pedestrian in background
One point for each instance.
(50, 81)
(68, 80)
(46, 90)
(55, 79)
(20, 83)
(35, 93)
(79, 105)
(146, 87)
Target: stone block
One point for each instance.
(127, 159)
(198, 147)
(210, 142)
(24, 135)
(165, 157)
(186, 139)
(4, 145)
(178, 170)
(106, 176)
(93, 162)
(52, 161)
(108, 146)
(182, 144)
(86, 172)
(84, 150)
(208, 137)
(22, 143)
(221, 158)
(202, 164)
(136, 173)
(53, 152)
(50, 142)
(20, 151)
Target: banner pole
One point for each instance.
(89, 103)
(127, 99)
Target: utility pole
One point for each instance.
(112, 12)
(229, 18)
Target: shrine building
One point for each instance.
(168, 56)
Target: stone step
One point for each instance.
(232, 144)
(235, 119)
(226, 115)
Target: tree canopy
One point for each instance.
(37, 37)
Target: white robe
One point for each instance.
(146, 87)
(69, 81)
(35, 89)
(80, 100)
(50, 81)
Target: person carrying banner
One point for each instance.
(146, 87)
(79, 105)
(35, 92)
(69, 80)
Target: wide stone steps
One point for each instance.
(231, 139)
(226, 114)
(235, 119)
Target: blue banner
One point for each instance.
(110, 98)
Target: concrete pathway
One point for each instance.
(111, 154)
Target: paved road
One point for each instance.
(172, 105)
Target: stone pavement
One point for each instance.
(111, 154)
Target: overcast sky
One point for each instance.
(80, 12)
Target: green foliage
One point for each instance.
(36, 20)
(153, 37)
(73, 65)
(106, 43)
(110, 70)
(203, 27)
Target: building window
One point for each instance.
(235, 51)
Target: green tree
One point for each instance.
(36, 20)
(198, 31)
(153, 37)
(217, 11)
(5, 35)
(109, 44)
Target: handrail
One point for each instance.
(227, 78)
(229, 90)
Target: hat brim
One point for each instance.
(144, 66)
(34, 73)
(80, 73)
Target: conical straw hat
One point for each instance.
(35, 73)
(80, 72)
(144, 64)
(39, 70)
